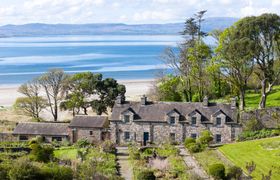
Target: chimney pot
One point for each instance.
(233, 103)
(205, 101)
(143, 100)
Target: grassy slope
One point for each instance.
(252, 99)
(209, 157)
(265, 159)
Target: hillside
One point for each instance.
(37, 29)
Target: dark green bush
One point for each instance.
(41, 153)
(217, 171)
(194, 147)
(145, 175)
(205, 137)
(188, 141)
(4, 171)
(234, 172)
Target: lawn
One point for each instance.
(209, 157)
(265, 153)
(66, 153)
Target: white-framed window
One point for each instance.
(172, 120)
(126, 135)
(218, 121)
(126, 118)
(193, 121)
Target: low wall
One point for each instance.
(7, 137)
(269, 117)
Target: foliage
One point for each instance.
(57, 172)
(264, 133)
(217, 171)
(108, 147)
(145, 175)
(234, 172)
(169, 89)
(188, 141)
(265, 158)
(253, 125)
(205, 137)
(250, 166)
(201, 143)
(23, 169)
(194, 147)
(82, 143)
(66, 153)
(41, 153)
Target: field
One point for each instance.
(265, 153)
(66, 153)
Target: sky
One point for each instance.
(126, 11)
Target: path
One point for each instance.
(192, 163)
(123, 161)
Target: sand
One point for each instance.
(135, 89)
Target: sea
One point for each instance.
(122, 57)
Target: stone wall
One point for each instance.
(269, 117)
(84, 133)
(160, 132)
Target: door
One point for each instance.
(145, 138)
(74, 135)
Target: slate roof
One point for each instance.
(89, 121)
(156, 111)
(36, 128)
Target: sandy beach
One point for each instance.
(134, 88)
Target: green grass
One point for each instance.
(68, 153)
(265, 153)
(209, 157)
(252, 99)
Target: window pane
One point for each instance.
(218, 138)
(218, 121)
(193, 120)
(126, 118)
(193, 136)
(172, 120)
(126, 135)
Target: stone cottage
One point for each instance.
(48, 131)
(93, 128)
(147, 122)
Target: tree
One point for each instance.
(33, 103)
(53, 83)
(236, 53)
(265, 31)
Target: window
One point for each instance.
(193, 136)
(172, 120)
(172, 137)
(56, 138)
(23, 138)
(91, 133)
(126, 135)
(218, 138)
(193, 121)
(126, 118)
(218, 121)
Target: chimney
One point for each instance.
(120, 99)
(143, 100)
(233, 103)
(205, 101)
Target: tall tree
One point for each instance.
(236, 52)
(266, 34)
(32, 103)
(53, 83)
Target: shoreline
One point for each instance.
(134, 89)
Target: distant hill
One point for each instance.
(38, 29)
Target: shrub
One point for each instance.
(82, 143)
(41, 153)
(4, 170)
(217, 171)
(54, 171)
(250, 135)
(234, 172)
(253, 125)
(194, 147)
(205, 137)
(145, 175)
(24, 169)
(188, 141)
(108, 147)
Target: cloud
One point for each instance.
(126, 11)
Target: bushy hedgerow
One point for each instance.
(200, 144)
(217, 171)
(264, 133)
(234, 172)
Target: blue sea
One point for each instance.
(119, 57)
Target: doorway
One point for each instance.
(145, 138)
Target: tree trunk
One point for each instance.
(242, 99)
(263, 95)
(85, 110)
(55, 115)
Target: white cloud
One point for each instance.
(127, 11)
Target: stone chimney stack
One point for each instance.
(120, 99)
(233, 103)
(205, 102)
(143, 100)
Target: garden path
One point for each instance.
(123, 161)
(191, 162)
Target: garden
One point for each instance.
(161, 162)
(37, 160)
